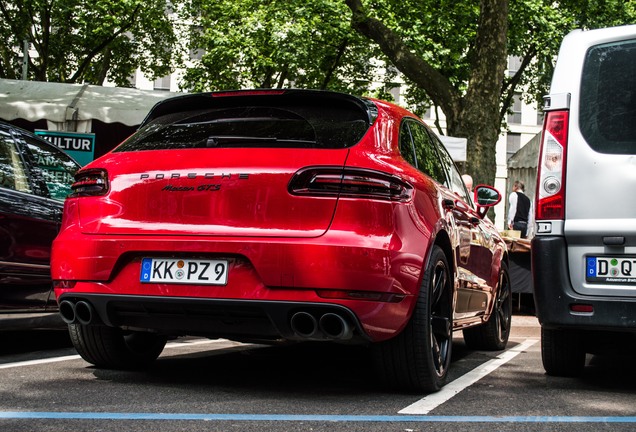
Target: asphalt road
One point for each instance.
(201, 385)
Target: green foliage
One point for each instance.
(277, 43)
(442, 32)
(87, 40)
(439, 31)
(538, 26)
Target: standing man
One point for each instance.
(519, 209)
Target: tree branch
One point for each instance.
(437, 123)
(89, 57)
(341, 50)
(488, 60)
(510, 85)
(436, 85)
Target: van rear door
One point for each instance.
(595, 117)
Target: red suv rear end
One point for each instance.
(279, 215)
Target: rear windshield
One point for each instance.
(253, 126)
(608, 98)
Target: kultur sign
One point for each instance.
(80, 146)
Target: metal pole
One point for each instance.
(25, 60)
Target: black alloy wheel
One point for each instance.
(493, 334)
(418, 359)
(440, 319)
(113, 348)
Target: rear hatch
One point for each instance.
(220, 164)
(600, 212)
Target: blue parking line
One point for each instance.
(310, 418)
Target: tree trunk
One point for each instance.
(479, 118)
(474, 114)
(104, 67)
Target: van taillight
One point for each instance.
(90, 182)
(550, 197)
(350, 183)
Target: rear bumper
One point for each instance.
(554, 294)
(243, 320)
(274, 276)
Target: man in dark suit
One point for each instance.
(519, 209)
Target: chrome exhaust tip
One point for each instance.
(304, 324)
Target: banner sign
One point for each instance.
(80, 146)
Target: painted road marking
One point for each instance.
(432, 401)
(184, 344)
(13, 415)
(37, 362)
(465, 381)
(191, 342)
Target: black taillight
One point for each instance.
(91, 182)
(350, 183)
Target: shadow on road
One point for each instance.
(19, 342)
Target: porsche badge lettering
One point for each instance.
(222, 176)
(207, 187)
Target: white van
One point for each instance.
(584, 251)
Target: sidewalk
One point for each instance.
(525, 326)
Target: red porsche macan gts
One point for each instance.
(274, 215)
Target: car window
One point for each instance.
(454, 182)
(12, 169)
(608, 98)
(406, 144)
(293, 126)
(52, 166)
(425, 154)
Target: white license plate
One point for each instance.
(611, 269)
(184, 271)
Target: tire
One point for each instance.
(112, 348)
(562, 352)
(418, 358)
(493, 334)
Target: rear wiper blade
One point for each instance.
(220, 140)
(215, 140)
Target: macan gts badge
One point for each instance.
(201, 187)
(282, 216)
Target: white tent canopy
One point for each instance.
(74, 106)
(58, 103)
(455, 146)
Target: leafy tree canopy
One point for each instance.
(454, 55)
(277, 43)
(87, 40)
(451, 54)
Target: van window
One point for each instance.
(608, 98)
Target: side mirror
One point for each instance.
(485, 197)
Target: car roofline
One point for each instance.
(193, 101)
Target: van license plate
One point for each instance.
(611, 269)
(184, 271)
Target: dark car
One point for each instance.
(35, 178)
(284, 215)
